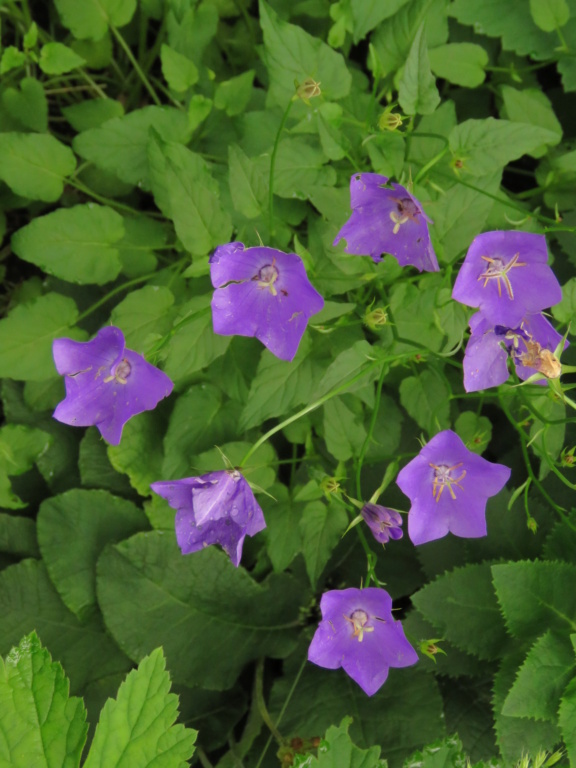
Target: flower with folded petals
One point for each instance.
(358, 633)
(106, 384)
(264, 293)
(217, 508)
(387, 219)
(506, 275)
(448, 486)
(531, 346)
(384, 523)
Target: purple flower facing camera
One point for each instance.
(106, 384)
(448, 486)
(384, 523)
(358, 633)
(386, 218)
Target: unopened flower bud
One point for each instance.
(375, 319)
(430, 648)
(567, 457)
(384, 523)
(307, 90)
(330, 485)
(389, 121)
(532, 524)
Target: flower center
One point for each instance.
(406, 210)
(267, 277)
(120, 373)
(541, 359)
(443, 479)
(498, 270)
(358, 619)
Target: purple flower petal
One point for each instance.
(216, 508)
(387, 219)
(264, 293)
(106, 384)
(384, 523)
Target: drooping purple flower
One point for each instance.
(217, 508)
(359, 634)
(448, 486)
(106, 384)
(264, 293)
(530, 346)
(506, 275)
(386, 218)
(384, 523)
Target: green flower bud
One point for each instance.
(375, 319)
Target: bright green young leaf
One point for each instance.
(140, 454)
(143, 312)
(199, 602)
(567, 719)
(460, 63)
(248, 184)
(338, 751)
(426, 398)
(292, 54)
(531, 106)
(18, 535)
(20, 448)
(417, 92)
(28, 104)
(138, 729)
(12, 58)
(198, 110)
(178, 70)
(92, 113)
(191, 27)
(41, 725)
(81, 523)
(90, 19)
(27, 333)
(321, 526)
(233, 95)
(57, 58)
(35, 165)
(75, 244)
(549, 15)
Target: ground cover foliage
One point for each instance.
(137, 136)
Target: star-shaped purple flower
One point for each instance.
(106, 384)
(530, 346)
(359, 634)
(264, 293)
(448, 486)
(506, 275)
(217, 508)
(386, 218)
(384, 523)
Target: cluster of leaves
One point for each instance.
(134, 138)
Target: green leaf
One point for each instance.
(344, 430)
(442, 754)
(427, 399)
(460, 63)
(531, 106)
(75, 244)
(143, 312)
(81, 523)
(40, 724)
(548, 667)
(95, 468)
(367, 14)
(18, 535)
(142, 236)
(299, 167)
(549, 15)
(12, 58)
(57, 58)
(178, 70)
(567, 719)
(20, 448)
(233, 95)
(186, 192)
(140, 454)
(417, 92)
(92, 113)
(361, 356)
(565, 311)
(200, 602)
(27, 333)
(463, 608)
(475, 431)
(533, 595)
(336, 750)
(138, 727)
(28, 104)
(284, 539)
(257, 471)
(248, 183)
(90, 19)
(199, 108)
(321, 526)
(291, 54)
(34, 165)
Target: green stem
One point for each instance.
(370, 432)
(112, 293)
(508, 203)
(126, 48)
(81, 187)
(272, 165)
(259, 692)
(430, 164)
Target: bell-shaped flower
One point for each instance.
(359, 634)
(384, 523)
(264, 293)
(448, 486)
(106, 384)
(386, 218)
(217, 508)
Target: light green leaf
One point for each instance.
(336, 750)
(417, 92)
(531, 106)
(28, 104)
(74, 244)
(57, 58)
(348, 364)
(140, 453)
(233, 95)
(12, 58)
(248, 183)
(90, 19)
(18, 535)
(178, 70)
(567, 719)
(138, 729)
(92, 113)
(475, 431)
(35, 165)
(299, 166)
(20, 448)
(41, 725)
(283, 536)
(142, 235)
(549, 15)
(367, 14)
(257, 471)
(321, 526)
(344, 431)
(143, 312)
(565, 311)
(460, 63)
(198, 110)
(427, 399)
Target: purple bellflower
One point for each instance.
(530, 346)
(217, 508)
(506, 275)
(387, 219)
(448, 486)
(264, 293)
(358, 633)
(106, 384)
(384, 523)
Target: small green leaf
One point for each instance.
(198, 110)
(565, 311)
(142, 236)
(475, 431)
(367, 14)
(361, 356)
(321, 527)
(299, 166)
(426, 398)
(12, 58)
(90, 19)
(57, 58)
(248, 184)
(283, 536)
(460, 63)
(336, 750)
(417, 92)
(92, 113)
(28, 104)
(34, 165)
(178, 70)
(344, 430)
(20, 448)
(233, 95)
(143, 312)
(549, 14)
(531, 106)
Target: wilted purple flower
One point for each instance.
(264, 293)
(106, 384)
(217, 508)
(358, 633)
(505, 274)
(384, 523)
(387, 219)
(531, 347)
(448, 486)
